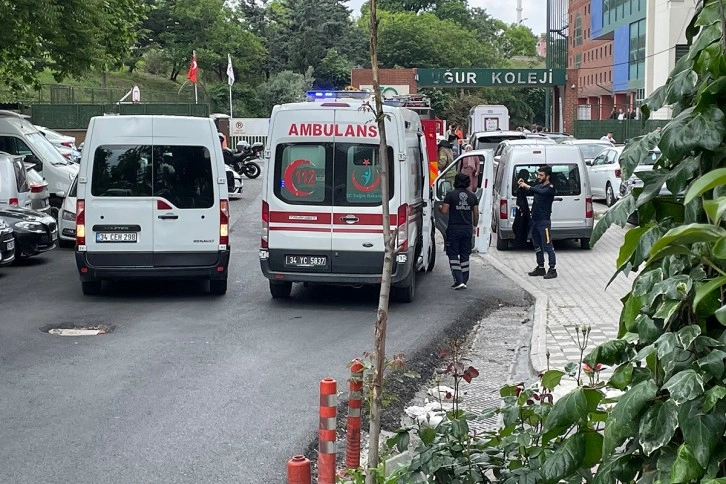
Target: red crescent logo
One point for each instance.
(287, 178)
(363, 189)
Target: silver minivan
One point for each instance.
(572, 211)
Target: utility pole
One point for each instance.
(519, 12)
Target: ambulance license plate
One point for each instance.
(306, 261)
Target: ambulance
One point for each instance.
(322, 216)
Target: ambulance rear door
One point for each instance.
(300, 191)
(357, 242)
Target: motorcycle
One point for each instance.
(243, 161)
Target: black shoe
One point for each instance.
(538, 271)
(551, 274)
(454, 285)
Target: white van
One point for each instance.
(152, 202)
(321, 197)
(572, 212)
(488, 117)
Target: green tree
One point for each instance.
(285, 87)
(333, 71)
(68, 37)
(519, 40)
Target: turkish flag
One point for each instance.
(192, 74)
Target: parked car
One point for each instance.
(589, 148)
(67, 217)
(235, 185)
(605, 175)
(645, 165)
(57, 139)
(34, 232)
(557, 137)
(39, 199)
(18, 136)
(572, 214)
(7, 244)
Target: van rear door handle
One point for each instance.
(558, 199)
(168, 217)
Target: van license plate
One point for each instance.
(116, 237)
(306, 261)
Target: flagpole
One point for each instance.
(230, 81)
(230, 112)
(196, 97)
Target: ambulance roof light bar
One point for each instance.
(328, 95)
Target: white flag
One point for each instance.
(230, 71)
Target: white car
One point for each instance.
(589, 148)
(67, 218)
(605, 175)
(57, 139)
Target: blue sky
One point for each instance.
(534, 11)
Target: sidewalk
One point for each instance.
(578, 296)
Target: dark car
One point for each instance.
(34, 232)
(7, 244)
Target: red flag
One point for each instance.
(192, 74)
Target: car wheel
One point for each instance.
(218, 286)
(609, 195)
(280, 290)
(502, 244)
(91, 288)
(432, 259)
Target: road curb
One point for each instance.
(538, 342)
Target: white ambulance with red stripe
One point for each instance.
(322, 217)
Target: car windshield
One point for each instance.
(591, 151)
(46, 150)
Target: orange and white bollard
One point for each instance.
(327, 431)
(298, 470)
(355, 404)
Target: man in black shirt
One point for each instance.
(463, 209)
(544, 195)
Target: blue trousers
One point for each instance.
(543, 242)
(458, 249)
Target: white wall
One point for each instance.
(666, 22)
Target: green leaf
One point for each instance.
(655, 101)
(631, 242)
(721, 315)
(552, 378)
(705, 183)
(693, 130)
(658, 426)
(427, 435)
(687, 334)
(708, 15)
(687, 235)
(593, 448)
(648, 332)
(622, 422)
(617, 214)
(594, 397)
(567, 411)
(666, 310)
(609, 353)
(635, 151)
(714, 208)
(713, 363)
(681, 85)
(646, 280)
(685, 468)
(719, 480)
(565, 460)
(719, 249)
(701, 432)
(666, 344)
(621, 376)
(684, 386)
(713, 395)
(704, 290)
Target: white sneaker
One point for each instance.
(460, 286)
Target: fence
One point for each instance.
(77, 116)
(63, 94)
(622, 130)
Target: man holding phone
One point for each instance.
(544, 194)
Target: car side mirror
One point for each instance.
(588, 162)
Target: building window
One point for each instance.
(636, 58)
(578, 30)
(578, 60)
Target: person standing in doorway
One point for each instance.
(463, 209)
(544, 194)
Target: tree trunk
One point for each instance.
(388, 239)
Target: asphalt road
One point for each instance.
(191, 387)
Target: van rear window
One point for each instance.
(180, 174)
(340, 174)
(565, 178)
